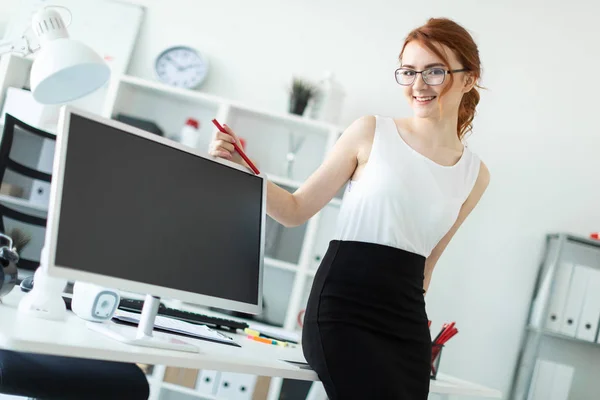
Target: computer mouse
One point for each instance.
(27, 284)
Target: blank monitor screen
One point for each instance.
(136, 209)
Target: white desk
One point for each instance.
(73, 338)
(446, 385)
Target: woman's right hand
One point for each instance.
(222, 146)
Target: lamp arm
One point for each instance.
(20, 45)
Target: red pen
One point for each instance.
(448, 332)
(444, 326)
(454, 332)
(447, 335)
(450, 326)
(237, 148)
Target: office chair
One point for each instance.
(47, 377)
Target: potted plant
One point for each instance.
(300, 94)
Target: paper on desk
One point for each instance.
(178, 326)
(279, 333)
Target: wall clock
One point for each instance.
(181, 66)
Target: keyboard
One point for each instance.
(135, 305)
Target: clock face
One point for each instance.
(182, 67)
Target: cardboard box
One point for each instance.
(147, 369)
(261, 390)
(181, 376)
(8, 189)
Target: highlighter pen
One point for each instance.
(261, 339)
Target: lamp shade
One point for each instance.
(65, 70)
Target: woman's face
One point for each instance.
(423, 94)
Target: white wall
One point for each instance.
(6, 7)
(536, 128)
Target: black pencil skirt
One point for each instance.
(365, 327)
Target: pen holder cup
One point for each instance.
(436, 355)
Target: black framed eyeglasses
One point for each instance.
(431, 76)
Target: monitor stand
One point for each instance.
(143, 335)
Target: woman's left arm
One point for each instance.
(483, 180)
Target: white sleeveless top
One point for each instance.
(404, 199)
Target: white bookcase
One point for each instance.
(547, 335)
(292, 254)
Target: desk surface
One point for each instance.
(72, 338)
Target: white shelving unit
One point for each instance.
(539, 340)
(24, 205)
(292, 254)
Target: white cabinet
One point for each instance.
(557, 346)
(207, 382)
(234, 386)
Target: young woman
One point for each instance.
(410, 185)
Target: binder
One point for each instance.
(551, 381)
(541, 384)
(574, 303)
(590, 314)
(561, 382)
(207, 382)
(236, 386)
(558, 297)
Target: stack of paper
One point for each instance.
(177, 326)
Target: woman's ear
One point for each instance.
(469, 82)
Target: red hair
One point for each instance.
(450, 34)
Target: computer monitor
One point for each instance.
(134, 211)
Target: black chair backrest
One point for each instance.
(11, 126)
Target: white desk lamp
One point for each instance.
(64, 69)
